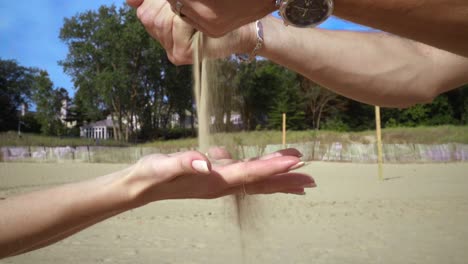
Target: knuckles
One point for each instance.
(180, 58)
(146, 18)
(159, 24)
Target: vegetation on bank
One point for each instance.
(11, 138)
(403, 135)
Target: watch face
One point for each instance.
(307, 13)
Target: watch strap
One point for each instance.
(258, 44)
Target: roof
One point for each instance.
(101, 123)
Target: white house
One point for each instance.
(103, 129)
(64, 111)
(175, 120)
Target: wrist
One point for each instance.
(251, 41)
(272, 29)
(125, 190)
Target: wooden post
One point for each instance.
(379, 142)
(284, 130)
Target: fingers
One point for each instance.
(218, 153)
(221, 156)
(293, 183)
(252, 171)
(157, 17)
(147, 12)
(170, 167)
(284, 152)
(174, 34)
(134, 3)
(280, 153)
(281, 182)
(182, 34)
(163, 23)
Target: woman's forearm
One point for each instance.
(374, 68)
(60, 236)
(42, 218)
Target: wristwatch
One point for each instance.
(304, 13)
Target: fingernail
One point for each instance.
(200, 166)
(309, 185)
(297, 166)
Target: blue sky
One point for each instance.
(29, 31)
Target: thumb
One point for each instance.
(191, 162)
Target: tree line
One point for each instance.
(119, 70)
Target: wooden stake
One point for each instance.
(379, 142)
(284, 130)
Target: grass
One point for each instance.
(427, 135)
(416, 135)
(12, 139)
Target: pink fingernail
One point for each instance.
(200, 166)
(309, 185)
(297, 166)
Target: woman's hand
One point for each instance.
(192, 175)
(216, 18)
(176, 35)
(73, 207)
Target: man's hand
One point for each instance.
(176, 35)
(162, 24)
(218, 17)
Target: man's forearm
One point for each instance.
(441, 24)
(374, 68)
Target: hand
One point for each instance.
(176, 35)
(191, 175)
(219, 17)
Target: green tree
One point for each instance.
(15, 90)
(458, 100)
(439, 112)
(320, 103)
(359, 116)
(260, 84)
(290, 103)
(224, 94)
(48, 103)
(119, 69)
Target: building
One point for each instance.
(175, 120)
(103, 129)
(67, 117)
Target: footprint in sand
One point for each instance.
(199, 245)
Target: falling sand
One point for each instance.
(205, 89)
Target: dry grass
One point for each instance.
(12, 139)
(417, 135)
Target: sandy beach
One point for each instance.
(419, 214)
